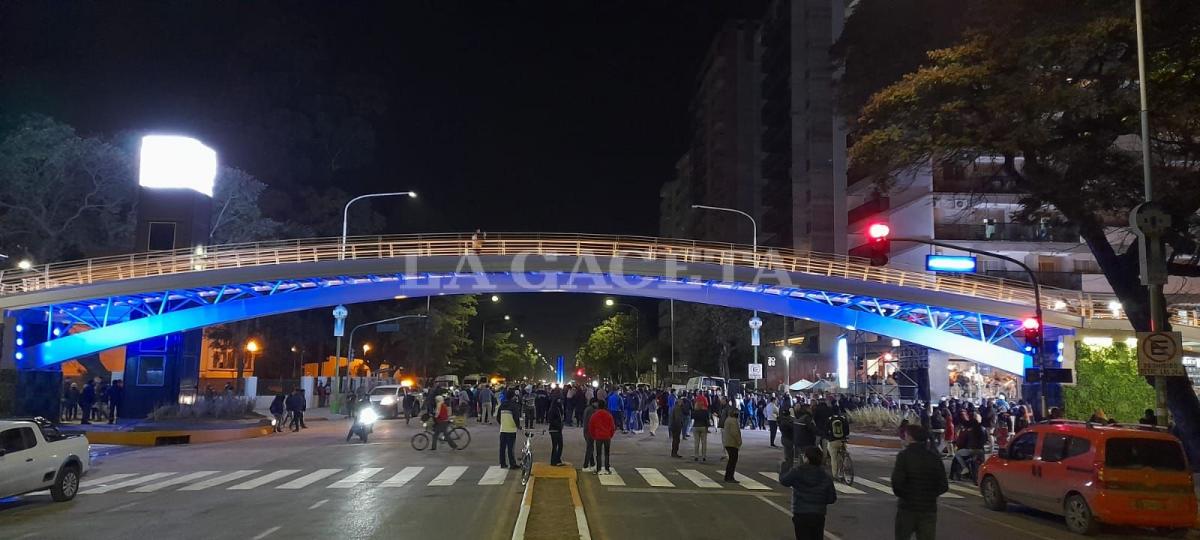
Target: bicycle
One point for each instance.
(458, 434)
(527, 457)
(846, 474)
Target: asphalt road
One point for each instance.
(313, 484)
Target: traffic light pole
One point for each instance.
(1039, 356)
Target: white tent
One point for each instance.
(820, 386)
(799, 385)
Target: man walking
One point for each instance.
(554, 419)
(678, 419)
(589, 457)
(772, 416)
(116, 393)
(86, 400)
(731, 438)
(601, 427)
(918, 479)
(485, 405)
(295, 405)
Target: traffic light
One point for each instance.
(1033, 333)
(878, 243)
(859, 363)
(579, 372)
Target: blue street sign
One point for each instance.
(951, 263)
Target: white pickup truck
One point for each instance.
(34, 456)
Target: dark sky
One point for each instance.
(562, 116)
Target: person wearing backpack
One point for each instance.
(837, 430)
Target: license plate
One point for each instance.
(1148, 504)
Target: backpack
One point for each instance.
(839, 429)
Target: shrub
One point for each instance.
(878, 418)
(1107, 379)
(221, 408)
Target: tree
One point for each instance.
(608, 350)
(237, 216)
(1051, 89)
(63, 196)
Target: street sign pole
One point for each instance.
(339, 328)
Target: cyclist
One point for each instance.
(441, 422)
(837, 430)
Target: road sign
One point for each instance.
(387, 327)
(339, 320)
(755, 371)
(1053, 375)
(770, 361)
(678, 368)
(1160, 353)
(1149, 223)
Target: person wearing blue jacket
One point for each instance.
(812, 491)
(615, 406)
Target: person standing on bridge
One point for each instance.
(918, 479)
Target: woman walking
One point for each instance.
(653, 410)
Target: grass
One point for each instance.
(878, 418)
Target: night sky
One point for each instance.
(560, 116)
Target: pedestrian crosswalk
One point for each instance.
(447, 476)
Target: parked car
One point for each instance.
(387, 399)
(1092, 475)
(34, 456)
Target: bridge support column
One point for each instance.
(156, 369)
(939, 374)
(8, 368)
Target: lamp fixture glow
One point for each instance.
(25, 264)
(950, 263)
(895, 342)
(787, 353)
(172, 161)
(843, 362)
(252, 346)
(609, 302)
(495, 298)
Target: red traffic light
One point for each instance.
(1031, 324)
(579, 372)
(878, 231)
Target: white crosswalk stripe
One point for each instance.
(699, 478)
(223, 479)
(448, 476)
(104, 479)
(946, 495)
(494, 476)
(969, 490)
(403, 477)
(749, 483)
(873, 485)
(653, 477)
(126, 483)
(613, 479)
(308, 479)
(840, 487)
(174, 481)
(356, 478)
(264, 479)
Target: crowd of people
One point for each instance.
(97, 400)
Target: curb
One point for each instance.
(165, 437)
(544, 470)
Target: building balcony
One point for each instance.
(1062, 280)
(870, 208)
(1006, 232)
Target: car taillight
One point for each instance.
(1098, 476)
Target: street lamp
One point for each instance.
(637, 329)
(787, 362)
(495, 298)
(754, 244)
(25, 264)
(346, 214)
(654, 379)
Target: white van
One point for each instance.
(445, 381)
(706, 383)
(475, 378)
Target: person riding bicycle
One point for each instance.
(441, 422)
(837, 430)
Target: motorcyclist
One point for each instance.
(358, 406)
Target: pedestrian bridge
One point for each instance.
(84, 307)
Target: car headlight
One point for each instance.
(368, 416)
(388, 401)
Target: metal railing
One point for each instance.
(308, 250)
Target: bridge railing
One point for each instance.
(306, 250)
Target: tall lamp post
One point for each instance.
(350, 353)
(754, 244)
(637, 330)
(346, 214)
(787, 362)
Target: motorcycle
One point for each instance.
(363, 422)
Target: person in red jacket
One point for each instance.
(601, 429)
